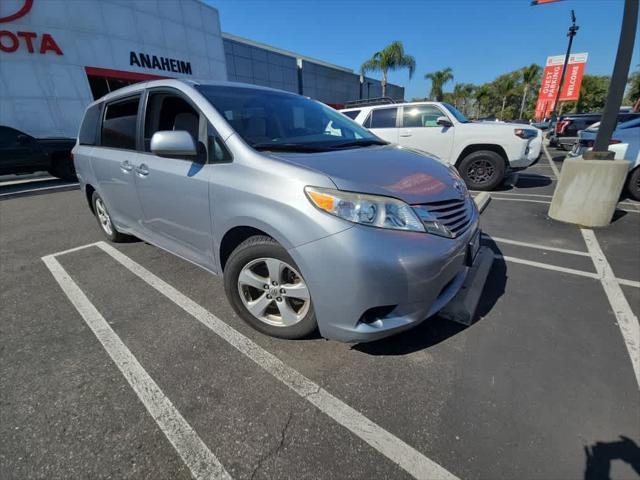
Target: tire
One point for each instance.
(633, 184)
(104, 220)
(482, 170)
(64, 169)
(285, 314)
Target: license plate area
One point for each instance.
(472, 248)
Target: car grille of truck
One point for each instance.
(454, 214)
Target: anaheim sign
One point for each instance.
(10, 41)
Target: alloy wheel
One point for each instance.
(481, 171)
(103, 217)
(273, 292)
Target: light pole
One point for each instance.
(573, 30)
(618, 82)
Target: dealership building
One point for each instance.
(56, 56)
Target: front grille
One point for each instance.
(455, 214)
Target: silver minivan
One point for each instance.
(314, 222)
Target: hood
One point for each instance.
(387, 170)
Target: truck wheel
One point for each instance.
(482, 170)
(104, 219)
(265, 288)
(633, 184)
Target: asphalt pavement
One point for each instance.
(541, 386)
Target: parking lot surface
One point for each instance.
(123, 361)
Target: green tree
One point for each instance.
(504, 87)
(438, 80)
(633, 88)
(593, 94)
(530, 77)
(391, 58)
(482, 97)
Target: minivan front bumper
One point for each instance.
(368, 283)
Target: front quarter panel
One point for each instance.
(268, 194)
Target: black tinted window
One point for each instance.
(352, 114)
(383, 118)
(119, 125)
(8, 136)
(166, 111)
(89, 127)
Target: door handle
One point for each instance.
(126, 166)
(405, 133)
(142, 170)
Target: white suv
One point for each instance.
(483, 152)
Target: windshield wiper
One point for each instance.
(364, 142)
(288, 147)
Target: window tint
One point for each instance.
(119, 125)
(89, 127)
(352, 114)
(8, 136)
(167, 111)
(383, 118)
(421, 116)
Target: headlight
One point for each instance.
(372, 210)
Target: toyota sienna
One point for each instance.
(314, 222)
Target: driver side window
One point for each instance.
(166, 111)
(421, 116)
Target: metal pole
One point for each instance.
(619, 76)
(573, 29)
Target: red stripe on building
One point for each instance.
(121, 74)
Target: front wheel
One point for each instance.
(633, 183)
(265, 288)
(482, 170)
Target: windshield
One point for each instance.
(456, 113)
(272, 120)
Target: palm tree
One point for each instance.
(438, 79)
(482, 94)
(529, 78)
(392, 57)
(503, 86)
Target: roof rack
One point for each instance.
(365, 102)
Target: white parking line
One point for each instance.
(627, 321)
(196, 455)
(554, 167)
(15, 193)
(401, 453)
(505, 199)
(536, 245)
(547, 266)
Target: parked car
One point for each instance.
(22, 153)
(313, 221)
(625, 142)
(483, 152)
(565, 132)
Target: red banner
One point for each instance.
(551, 81)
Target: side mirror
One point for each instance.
(172, 143)
(23, 139)
(444, 122)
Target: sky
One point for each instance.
(478, 39)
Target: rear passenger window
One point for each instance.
(119, 125)
(89, 127)
(421, 116)
(382, 118)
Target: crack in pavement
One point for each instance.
(273, 452)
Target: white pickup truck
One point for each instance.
(483, 152)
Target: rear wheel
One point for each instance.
(482, 170)
(63, 168)
(633, 183)
(104, 220)
(266, 289)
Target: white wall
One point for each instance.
(45, 94)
